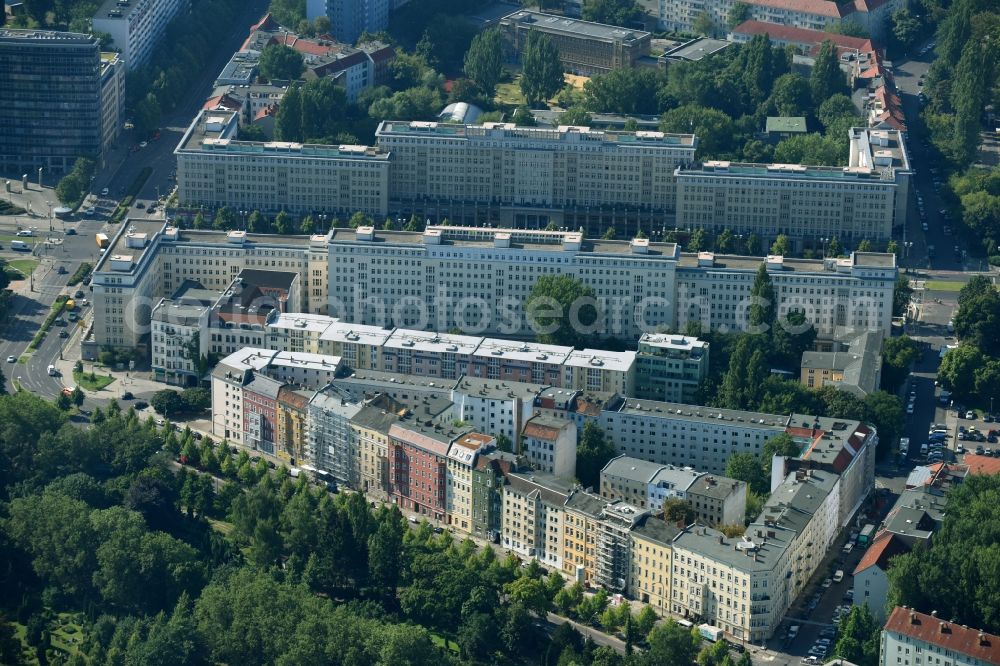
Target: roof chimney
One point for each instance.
(913, 618)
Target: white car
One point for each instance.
(11, 359)
(827, 583)
(25, 232)
(104, 192)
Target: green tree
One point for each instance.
(670, 643)
(288, 120)
(782, 246)
(901, 293)
(282, 223)
(859, 635)
(958, 369)
(906, 28)
(575, 115)
(64, 402)
(281, 62)
(827, 79)
(748, 468)
(791, 95)
(592, 454)
(761, 314)
(738, 13)
(713, 128)
(484, 60)
(77, 396)
(542, 71)
(678, 510)
(703, 24)
(725, 242)
(257, 223)
(812, 149)
(611, 12)
(561, 310)
(781, 444)
(899, 353)
(199, 220)
(522, 117)
(697, 241)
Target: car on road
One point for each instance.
(959, 449)
(78, 293)
(71, 232)
(11, 359)
(138, 204)
(25, 232)
(143, 144)
(970, 415)
(63, 334)
(924, 226)
(127, 395)
(104, 192)
(827, 583)
(61, 270)
(909, 408)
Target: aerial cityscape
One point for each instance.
(551, 333)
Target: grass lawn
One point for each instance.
(23, 266)
(509, 93)
(943, 285)
(220, 526)
(440, 641)
(88, 383)
(66, 633)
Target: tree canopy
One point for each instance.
(542, 71)
(281, 62)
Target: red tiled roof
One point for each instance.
(982, 464)
(815, 7)
(540, 431)
(885, 547)
(948, 635)
(788, 33)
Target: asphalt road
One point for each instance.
(159, 155)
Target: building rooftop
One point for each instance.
(693, 261)
(240, 70)
(586, 502)
(306, 361)
(170, 311)
(551, 489)
(714, 486)
(298, 321)
(749, 553)
(797, 498)
(464, 449)
(696, 49)
(604, 360)
(441, 239)
(426, 341)
(375, 418)
(391, 379)
(785, 124)
(263, 385)
(433, 437)
(656, 529)
(575, 27)
(633, 469)
(885, 547)
(545, 427)
(561, 133)
(35, 35)
(238, 239)
(675, 478)
(805, 36)
(133, 239)
(522, 351)
(214, 131)
(724, 168)
(828, 441)
(496, 389)
(879, 148)
(361, 334)
(119, 9)
(672, 344)
(930, 629)
(248, 358)
(730, 417)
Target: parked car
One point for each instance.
(140, 404)
(970, 415)
(979, 450)
(63, 334)
(127, 395)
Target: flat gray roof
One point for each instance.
(715, 415)
(633, 469)
(697, 49)
(498, 389)
(576, 27)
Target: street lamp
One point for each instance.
(244, 214)
(49, 204)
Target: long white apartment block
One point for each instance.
(478, 280)
(214, 168)
(866, 199)
(136, 26)
(500, 173)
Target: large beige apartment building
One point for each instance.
(585, 48)
(864, 200)
(477, 280)
(500, 174)
(216, 169)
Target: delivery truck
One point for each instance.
(710, 633)
(102, 240)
